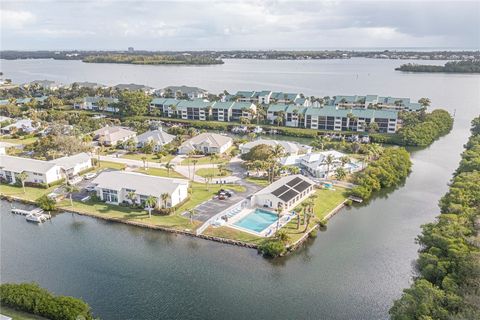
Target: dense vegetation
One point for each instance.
(469, 66)
(390, 168)
(448, 281)
(29, 297)
(421, 129)
(152, 59)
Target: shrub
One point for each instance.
(29, 297)
(46, 203)
(271, 248)
(313, 234)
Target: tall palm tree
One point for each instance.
(340, 173)
(280, 118)
(191, 213)
(213, 158)
(169, 166)
(221, 169)
(344, 160)
(277, 152)
(164, 197)
(70, 189)
(144, 159)
(132, 197)
(329, 159)
(23, 176)
(279, 216)
(194, 161)
(150, 202)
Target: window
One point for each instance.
(109, 195)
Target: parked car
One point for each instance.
(90, 175)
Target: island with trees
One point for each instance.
(186, 59)
(448, 266)
(467, 66)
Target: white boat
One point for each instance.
(37, 217)
(257, 130)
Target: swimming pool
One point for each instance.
(257, 220)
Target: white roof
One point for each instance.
(212, 139)
(71, 161)
(157, 136)
(289, 147)
(142, 183)
(286, 189)
(18, 164)
(114, 133)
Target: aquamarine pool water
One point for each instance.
(257, 221)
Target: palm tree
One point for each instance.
(144, 159)
(23, 176)
(194, 161)
(221, 169)
(280, 117)
(132, 197)
(150, 202)
(329, 159)
(164, 197)
(282, 236)
(213, 158)
(340, 174)
(279, 211)
(169, 166)
(425, 102)
(70, 189)
(297, 211)
(191, 213)
(277, 152)
(344, 160)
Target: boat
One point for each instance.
(37, 217)
(257, 130)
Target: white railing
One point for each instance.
(239, 205)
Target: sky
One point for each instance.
(228, 25)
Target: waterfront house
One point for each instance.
(167, 106)
(73, 165)
(112, 135)
(262, 97)
(274, 110)
(290, 148)
(38, 171)
(341, 119)
(194, 110)
(182, 92)
(117, 187)
(134, 87)
(24, 125)
(207, 143)
(285, 193)
(158, 138)
(89, 85)
(244, 96)
(95, 104)
(316, 164)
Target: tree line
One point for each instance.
(447, 285)
(467, 66)
(153, 59)
(31, 298)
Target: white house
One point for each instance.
(93, 103)
(74, 165)
(112, 135)
(25, 125)
(45, 84)
(207, 143)
(135, 87)
(284, 193)
(114, 187)
(183, 91)
(38, 171)
(316, 164)
(159, 138)
(290, 148)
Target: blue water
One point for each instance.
(257, 221)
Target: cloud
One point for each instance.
(267, 24)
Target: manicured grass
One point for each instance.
(200, 193)
(327, 200)
(20, 140)
(101, 209)
(19, 315)
(32, 193)
(160, 172)
(258, 181)
(233, 234)
(150, 157)
(212, 173)
(205, 160)
(111, 165)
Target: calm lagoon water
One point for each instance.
(354, 270)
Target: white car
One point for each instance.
(90, 175)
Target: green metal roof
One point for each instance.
(331, 111)
(223, 105)
(277, 107)
(241, 105)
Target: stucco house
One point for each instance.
(75, 164)
(38, 171)
(112, 135)
(115, 186)
(285, 193)
(206, 143)
(159, 138)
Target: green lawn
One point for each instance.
(233, 234)
(150, 157)
(212, 173)
(19, 315)
(111, 165)
(19, 140)
(160, 172)
(32, 193)
(205, 160)
(258, 181)
(327, 200)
